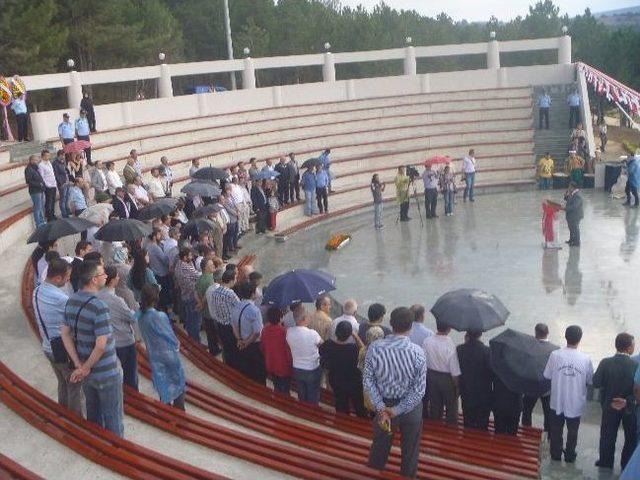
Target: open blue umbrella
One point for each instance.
(298, 286)
(266, 175)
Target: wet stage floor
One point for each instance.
(494, 244)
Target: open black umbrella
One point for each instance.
(311, 162)
(519, 359)
(59, 228)
(196, 226)
(123, 230)
(297, 286)
(266, 175)
(160, 207)
(202, 188)
(210, 173)
(470, 309)
(206, 210)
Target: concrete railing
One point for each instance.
(126, 114)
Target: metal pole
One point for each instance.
(227, 29)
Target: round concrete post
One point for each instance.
(564, 50)
(165, 88)
(248, 74)
(74, 91)
(277, 96)
(329, 68)
(410, 67)
(493, 55)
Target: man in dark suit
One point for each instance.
(574, 213)
(614, 378)
(120, 204)
(528, 403)
(283, 181)
(476, 381)
(131, 201)
(260, 206)
(82, 248)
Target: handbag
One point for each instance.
(58, 350)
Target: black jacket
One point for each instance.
(60, 171)
(119, 207)
(476, 379)
(34, 179)
(614, 378)
(258, 199)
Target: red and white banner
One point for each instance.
(611, 88)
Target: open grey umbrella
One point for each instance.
(206, 210)
(59, 228)
(311, 162)
(196, 226)
(202, 188)
(519, 359)
(160, 207)
(470, 309)
(266, 175)
(123, 230)
(210, 173)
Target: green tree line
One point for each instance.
(38, 36)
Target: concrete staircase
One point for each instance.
(556, 139)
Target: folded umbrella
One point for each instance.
(470, 309)
(266, 175)
(59, 228)
(77, 146)
(311, 162)
(196, 226)
(202, 188)
(210, 173)
(298, 286)
(123, 230)
(161, 207)
(519, 359)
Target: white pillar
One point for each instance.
(410, 67)
(248, 74)
(203, 106)
(165, 88)
(329, 68)
(425, 83)
(74, 90)
(351, 89)
(277, 96)
(564, 50)
(493, 54)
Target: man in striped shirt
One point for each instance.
(87, 336)
(394, 377)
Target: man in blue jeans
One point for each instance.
(469, 170)
(309, 188)
(303, 343)
(88, 339)
(36, 186)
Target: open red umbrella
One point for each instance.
(77, 146)
(438, 159)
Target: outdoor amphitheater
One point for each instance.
(235, 429)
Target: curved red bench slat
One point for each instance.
(12, 470)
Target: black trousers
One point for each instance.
(321, 198)
(404, 211)
(410, 426)
(556, 430)
(476, 415)
(629, 190)
(50, 203)
(129, 361)
(87, 151)
(442, 396)
(21, 121)
(574, 116)
(262, 218)
(574, 232)
(543, 114)
(294, 189)
(506, 421)
(91, 118)
(211, 329)
(166, 292)
(528, 403)
(430, 202)
(230, 353)
(283, 192)
(609, 425)
(347, 395)
(252, 363)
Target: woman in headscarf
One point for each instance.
(140, 274)
(163, 349)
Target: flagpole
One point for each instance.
(227, 30)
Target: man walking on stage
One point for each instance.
(394, 377)
(402, 194)
(574, 213)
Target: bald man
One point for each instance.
(349, 310)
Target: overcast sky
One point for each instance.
(481, 10)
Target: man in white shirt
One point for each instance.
(349, 310)
(45, 167)
(443, 370)
(303, 343)
(419, 333)
(155, 187)
(113, 178)
(195, 166)
(167, 174)
(140, 193)
(469, 170)
(98, 178)
(570, 371)
(243, 208)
